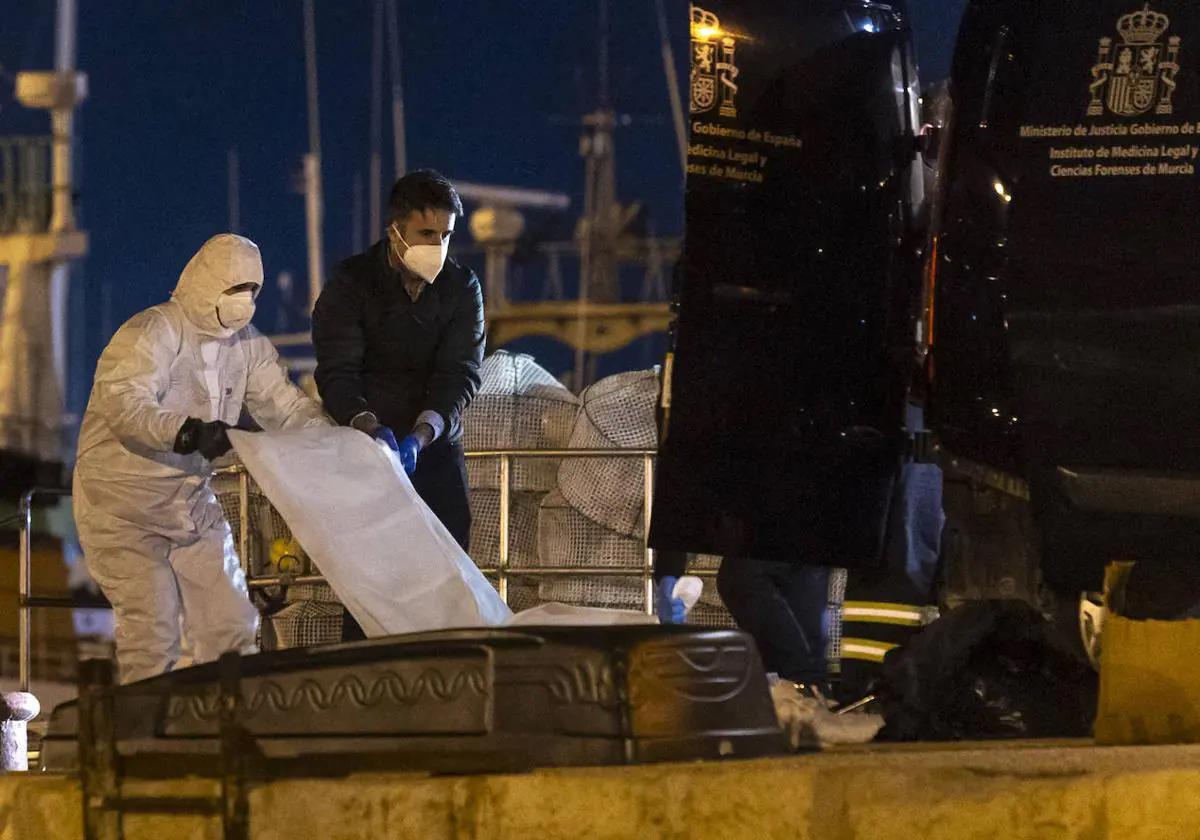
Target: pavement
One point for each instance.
(1013, 790)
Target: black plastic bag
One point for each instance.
(988, 669)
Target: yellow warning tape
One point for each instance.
(865, 649)
(880, 612)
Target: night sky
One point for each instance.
(493, 91)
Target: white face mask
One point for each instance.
(235, 310)
(425, 261)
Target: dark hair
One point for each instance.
(424, 189)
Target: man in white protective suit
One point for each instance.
(172, 381)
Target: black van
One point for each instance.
(1065, 279)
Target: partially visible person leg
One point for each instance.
(441, 481)
(806, 589)
(218, 615)
(756, 593)
(138, 582)
(669, 563)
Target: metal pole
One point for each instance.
(505, 469)
(268, 581)
(633, 571)
(39, 639)
(235, 221)
(562, 453)
(668, 57)
(64, 42)
(244, 521)
(647, 507)
(283, 580)
(63, 216)
(62, 120)
(602, 56)
(581, 332)
(24, 587)
(356, 216)
(496, 256)
(401, 153)
(375, 176)
(235, 753)
(313, 205)
(310, 78)
(17, 708)
(313, 211)
(98, 768)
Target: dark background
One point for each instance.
(493, 91)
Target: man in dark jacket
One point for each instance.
(399, 334)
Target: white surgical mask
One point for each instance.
(425, 261)
(235, 310)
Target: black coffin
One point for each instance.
(455, 701)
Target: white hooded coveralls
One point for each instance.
(153, 535)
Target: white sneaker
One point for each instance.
(806, 718)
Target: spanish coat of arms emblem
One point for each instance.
(713, 69)
(1136, 75)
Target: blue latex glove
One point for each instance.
(409, 449)
(669, 610)
(385, 434)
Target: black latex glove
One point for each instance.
(209, 439)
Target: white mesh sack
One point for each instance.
(272, 548)
(710, 609)
(263, 524)
(617, 413)
(312, 592)
(522, 528)
(308, 623)
(519, 406)
(627, 593)
(568, 538)
(834, 611)
(710, 615)
(609, 592)
(707, 563)
(575, 538)
(269, 539)
(523, 594)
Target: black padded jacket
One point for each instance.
(379, 351)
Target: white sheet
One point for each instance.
(388, 558)
(554, 612)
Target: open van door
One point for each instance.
(800, 287)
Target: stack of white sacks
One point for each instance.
(519, 406)
(580, 513)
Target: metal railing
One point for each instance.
(501, 570)
(27, 601)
